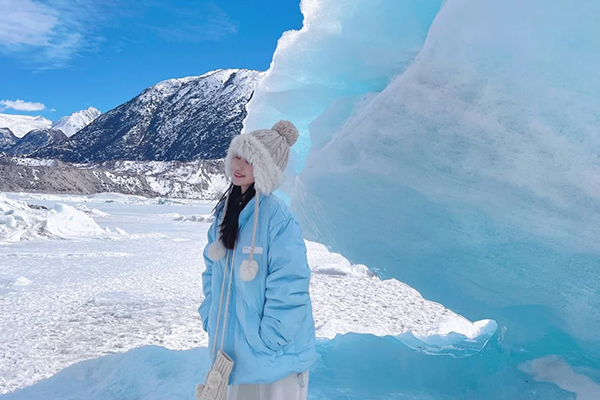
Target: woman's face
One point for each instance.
(243, 173)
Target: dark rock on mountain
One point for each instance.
(35, 140)
(7, 139)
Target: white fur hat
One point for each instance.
(268, 151)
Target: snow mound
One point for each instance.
(144, 373)
(322, 261)
(8, 281)
(350, 367)
(67, 222)
(20, 221)
(94, 212)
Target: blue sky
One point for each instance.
(60, 56)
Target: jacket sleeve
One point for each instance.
(287, 286)
(206, 279)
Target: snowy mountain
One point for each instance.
(178, 119)
(73, 123)
(21, 124)
(35, 140)
(7, 139)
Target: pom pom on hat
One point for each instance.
(287, 130)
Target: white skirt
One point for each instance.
(293, 387)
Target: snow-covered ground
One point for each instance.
(136, 281)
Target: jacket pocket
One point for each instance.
(251, 334)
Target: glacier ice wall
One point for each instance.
(474, 175)
(343, 51)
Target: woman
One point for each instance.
(257, 310)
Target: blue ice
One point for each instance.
(350, 367)
(464, 163)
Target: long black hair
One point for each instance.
(228, 230)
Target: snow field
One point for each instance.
(65, 301)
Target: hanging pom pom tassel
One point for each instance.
(217, 250)
(249, 267)
(248, 270)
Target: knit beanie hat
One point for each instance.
(268, 151)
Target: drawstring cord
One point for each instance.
(256, 201)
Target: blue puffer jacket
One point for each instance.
(270, 328)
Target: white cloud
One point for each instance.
(47, 34)
(38, 33)
(21, 105)
(24, 22)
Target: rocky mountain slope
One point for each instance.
(7, 139)
(179, 119)
(197, 179)
(35, 140)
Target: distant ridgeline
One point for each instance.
(196, 179)
(185, 119)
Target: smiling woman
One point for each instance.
(257, 308)
(243, 173)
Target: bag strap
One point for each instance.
(231, 278)
(226, 304)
